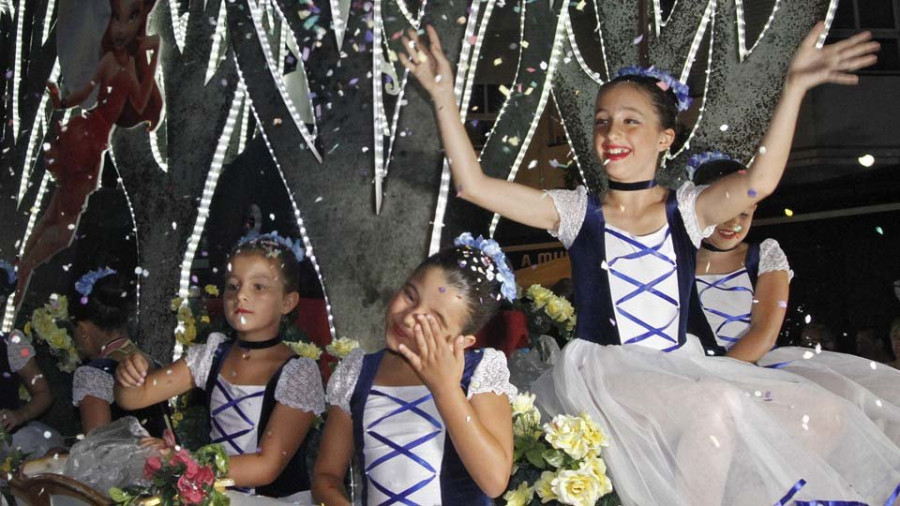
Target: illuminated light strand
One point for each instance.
(245, 122)
(558, 39)
(743, 52)
(340, 14)
(658, 21)
(289, 41)
(408, 15)
(829, 18)
(215, 52)
(578, 57)
(10, 313)
(48, 20)
(7, 7)
(279, 82)
(35, 140)
(17, 67)
(179, 23)
(378, 115)
(599, 30)
(708, 22)
(137, 243)
(562, 122)
(465, 81)
(307, 244)
(209, 189)
(160, 158)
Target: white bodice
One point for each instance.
(727, 300)
(235, 413)
(643, 283)
(404, 445)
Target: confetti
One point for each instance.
(47, 434)
(873, 365)
(751, 193)
(637, 40)
(808, 319)
(878, 402)
(808, 355)
(788, 212)
(498, 61)
(879, 230)
(714, 441)
(319, 199)
(762, 150)
(580, 6)
(866, 160)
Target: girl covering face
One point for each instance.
(426, 392)
(685, 430)
(262, 397)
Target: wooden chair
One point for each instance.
(55, 490)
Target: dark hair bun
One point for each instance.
(108, 306)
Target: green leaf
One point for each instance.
(118, 495)
(554, 457)
(535, 457)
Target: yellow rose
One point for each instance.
(306, 350)
(544, 487)
(58, 339)
(570, 325)
(341, 347)
(559, 309)
(519, 496)
(528, 425)
(578, 488)
(522, 403)
(597, 467)
(593, 435)
(564, 433)
(211, 290)
(539, 295)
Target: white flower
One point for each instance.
(578, 488)
(341, 347)
(522, 403)
(519, 496)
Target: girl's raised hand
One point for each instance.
(132, 371)
(834, 63)
(440, 360)
(428, 63)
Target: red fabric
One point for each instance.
(507, 332)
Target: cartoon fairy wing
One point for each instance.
(80, 28)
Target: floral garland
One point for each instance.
(44, 327)
(557, 462)
(193, 318)
(180, 478)
(665, 81)
(548, 314)
(498, 266)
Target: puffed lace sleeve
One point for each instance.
(571, 205)
(491, 375)
(199, 358)
(92, 381)
(343, 381)
(18, 351)
(772, 258)
(300, 386)
(687, 204)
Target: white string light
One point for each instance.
(340, 13)
(48, 21)
(179, 23)
(743, 52)
(289, 42)
(574, 153)
(558, 39)
(658, 21)
(599, 31)
(215, 52)
(17, 68)
(307, 244)
(137, 242)
(706, 23)
(34, 140)
(578, 57)
(245, 122)
(829, 18)
(160, 158)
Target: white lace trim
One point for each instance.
(491, 376)
(343, 381)
(571, 206)
(94, 382)
(772, 258)
(18, 351)
(687, 204)
(300, 386)
(199, 358)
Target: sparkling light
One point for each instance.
(829, 18)
(707, 22)
(179, 23)
(48, 21)
(743, 52)
(216, 51)
(17, 67)
(658, 21)
(160, 158)
(36, 141)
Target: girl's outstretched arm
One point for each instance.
(809, 68)
(480, 429)
(514, 201)
(335, 454)
(770, 303)
(137, 387)
(282, 438)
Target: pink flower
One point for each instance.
(151, 467)
(182, 456)
(189, 491)
(205, 477)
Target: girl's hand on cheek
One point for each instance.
(440, 360)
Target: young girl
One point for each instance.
(101, 305)
(262, 397)
(682, 431)
(428, 420)
(127, 95)
(743, 291)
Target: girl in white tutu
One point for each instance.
(742, 290)
(681, 432)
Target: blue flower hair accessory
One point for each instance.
(85, 284)
(273, 239)
(699, 159)
(664, 80)
(9, 270)
(498, 268)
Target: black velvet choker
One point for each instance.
(259, 345)
(710, 247)
(631, 187)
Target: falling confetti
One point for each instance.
(762, 150)
(879, 230)
(866, 160)
(751, 193)
(638, 39)
(808, 319)
(788, 212)
(723, 128)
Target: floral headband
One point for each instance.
(273, 239)
(10, 271)
(700, 159)
(85, 284)
(494, 263)
(664, 80)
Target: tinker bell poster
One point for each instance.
(108, 65)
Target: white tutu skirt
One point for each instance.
(873, 387)
(687, 429)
